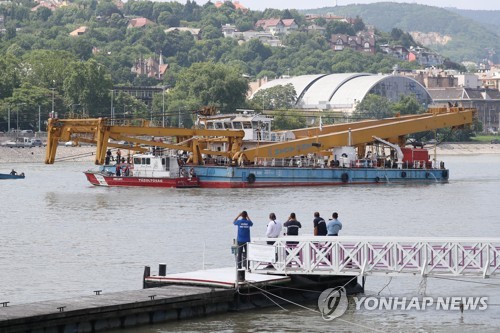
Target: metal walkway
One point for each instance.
(343, 255)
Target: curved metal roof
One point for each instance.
(300, 83)
(354, 90)
(325, 87)
(344, 91)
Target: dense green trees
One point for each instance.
(275, 98)
(378, 107)
(38, 57)
(208, 84)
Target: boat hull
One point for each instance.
(9, 176)
(243, 177)
(100, 179)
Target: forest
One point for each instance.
(43, 68)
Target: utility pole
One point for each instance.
(8, 121)
(163, 104)
(39, 120)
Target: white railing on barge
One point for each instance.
(344, 255)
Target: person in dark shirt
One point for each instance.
(319, 225)
(292, 227)
(108, 157)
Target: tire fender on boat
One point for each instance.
(377, 179)
(344, 177)
(251, 178)
(192, 173)
(445, 174)
(403, 174)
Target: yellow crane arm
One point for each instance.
(356, 135)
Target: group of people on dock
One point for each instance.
(275, 227)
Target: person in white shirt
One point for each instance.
(273, 228)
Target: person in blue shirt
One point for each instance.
(334, 225)
(244, 223)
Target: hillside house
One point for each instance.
(290, 25)
(273, 26)
(139, 22)
(396, 51)
(318, 28)
(236, 4)
(80, 31)
(424, 57)
(196, 33)
(359, 43)
(151, 67)
(229, 30)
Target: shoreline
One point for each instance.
(87, 153)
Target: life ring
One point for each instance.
(344, 177)
(251, 178)
(192, 173)
(403, 174)
(377, 179)
(445, 174)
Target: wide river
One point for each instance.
(61, 237)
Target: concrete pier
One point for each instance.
(115, 310)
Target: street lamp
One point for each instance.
(8, 120)
(17, 117)
(112, 110)
(53, 96)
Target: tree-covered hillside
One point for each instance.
(43, 65)
(470, 40)
(487, 18)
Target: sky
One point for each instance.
(302, 4)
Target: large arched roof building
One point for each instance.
(343, 91)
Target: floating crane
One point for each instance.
(104, 133)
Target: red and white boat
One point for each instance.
(145, 170)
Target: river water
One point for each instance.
(61, 237)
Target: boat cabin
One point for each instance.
(257, 127)
(149, 165)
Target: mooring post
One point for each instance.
(147, 273)
(162, 269)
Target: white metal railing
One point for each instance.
(344, 255)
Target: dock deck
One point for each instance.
(218, 277)
(116, 310)
(172, 297)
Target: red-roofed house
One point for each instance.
(290, 25)
(273, 26)
(139, 22)
(237, 5)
